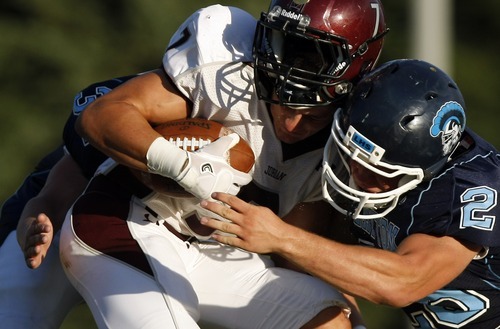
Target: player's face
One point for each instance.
(293, 125)
(368, 181)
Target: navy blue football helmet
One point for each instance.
(403, 121)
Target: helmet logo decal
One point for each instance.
(450, 123)
(355, 140)
(293, 12)
(362, 142)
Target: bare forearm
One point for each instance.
(341, 265)
(421, 265)
(120, 123)
(118, 131)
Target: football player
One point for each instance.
(421, 199)
(275, 83)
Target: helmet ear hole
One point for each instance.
(406, 121)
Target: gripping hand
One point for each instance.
(208, 170)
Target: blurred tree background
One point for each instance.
(51, 50)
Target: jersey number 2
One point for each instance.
(478, 200)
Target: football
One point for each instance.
(190, 134)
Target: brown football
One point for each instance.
(190, 134)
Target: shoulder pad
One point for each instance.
(212, 34)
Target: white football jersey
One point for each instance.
(209, 59)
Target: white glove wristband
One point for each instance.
(164, 158)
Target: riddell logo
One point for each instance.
(290, 14)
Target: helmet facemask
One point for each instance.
(302, 66)
(342, 193)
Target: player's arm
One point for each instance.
(43, 215)
(420, 265)
(318, 217)
(119, 123)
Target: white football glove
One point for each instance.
(208, 170)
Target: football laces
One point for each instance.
(189, 144)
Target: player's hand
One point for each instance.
(250, 227)
(38, 237)
(208, 170)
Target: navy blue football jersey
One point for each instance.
(87, 157)
(462, 202)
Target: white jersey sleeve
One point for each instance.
(212, 34)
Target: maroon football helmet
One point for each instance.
(309, 52)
